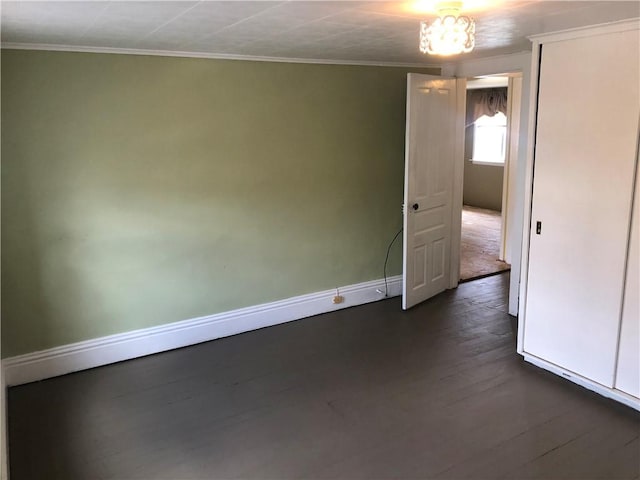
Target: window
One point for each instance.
(490, 139)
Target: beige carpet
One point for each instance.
(480, 246)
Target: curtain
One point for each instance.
(485, 101)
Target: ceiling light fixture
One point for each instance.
(449, 34)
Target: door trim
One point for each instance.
(500, 65)
(528, 192)
(514, 101)
(458, 182)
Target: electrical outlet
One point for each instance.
(338, 299)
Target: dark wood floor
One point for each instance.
(368, 392)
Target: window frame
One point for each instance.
(485, 161)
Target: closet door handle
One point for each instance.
(415, 206)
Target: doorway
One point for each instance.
(491, 136)
(434, 167)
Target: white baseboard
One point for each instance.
(616, 395)
(56, 361)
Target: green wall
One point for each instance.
(138, 191)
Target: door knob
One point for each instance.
(416, 206)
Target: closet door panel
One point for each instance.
(628, 374)
(587, 128)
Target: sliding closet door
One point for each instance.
(587, 129)
(628, 374)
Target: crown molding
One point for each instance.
(451, 68)
(213, 56)
(589, 30)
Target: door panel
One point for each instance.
(432, 133)
(628, 373)
(586, 137)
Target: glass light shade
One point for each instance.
(448, 35)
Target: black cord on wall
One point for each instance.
(384, 270)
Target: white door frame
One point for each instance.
(520, 63)
(458, 184)
(514, 93)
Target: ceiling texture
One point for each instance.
(368, 32)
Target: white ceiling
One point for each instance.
(340, 31)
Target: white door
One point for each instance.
(434, 141)
(585, 151)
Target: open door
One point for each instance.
(433, 186)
